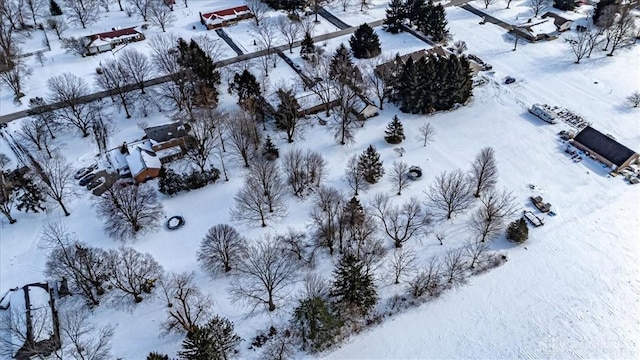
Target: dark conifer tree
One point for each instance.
(157, 356)
(343, 70)
(316, 323)
(364, 42)
(215, 340)
(436, 23)
(395, 17)
(353, 288)
(269, 150)
(307, 46)
(415, 10)
(54, 8)
(518, 231)
(566, 5)
(31, 197)
(395, 131)
(370, 165)
(199, 64)
(246, 86)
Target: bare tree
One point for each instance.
(214, 47)
(55, 177)
(295, 244)
(579, 43)
(114, 77)
(69, 90)
(8, 196)
(132, 272)
(323, 85)
(290, 30)
(81, 339)
(634, 99)
(344, 4)
(489, 2)
(129, 211)
(258, 9)
(399, 177)
(476, 251)
(449, 193)
(82, 12)
(303, 169)
(15, 77)
(354, 176)
(440, 235)
(428, 280)
(267, 174)
(623, 32)
(252, 205)
(10, 37)
(85, 268)
(377, 79)
(20, 329)
(484, 172)
(400, 223)
(187, 306)
(263, 275)
(101, 131)
(402, 263)
(36, 9)
(454, 268)
(265, 36)
(490, 218)
(35, 133)
(328, 222)
(593, 39)
(202, 137)
(160, 15)
(142, 7)
(242, 136)
(137, 66)
(426, 133)
(221, 249)
(344, 122)
(58, 25)
(537, 6)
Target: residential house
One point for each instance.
(227, 17)
(107, 41)
(169, 141)
(561, 23)
(364, 109)
(30, 322)
(144, 164)
(536, 31)
(604, 148)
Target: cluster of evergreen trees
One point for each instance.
(171, 183)
(18, 187)
(427, 17)
(432, 83)
(201, 72)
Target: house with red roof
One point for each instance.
(107, 41)
(227, 17)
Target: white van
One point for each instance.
(544, 112)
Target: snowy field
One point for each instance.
(571, 291)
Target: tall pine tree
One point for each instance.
(395, 131)
(370, 165)
(199, 65)
(215, 340)
(566, 5)
(343, 70)
(316, 323)
(395, 17)
(364, 42)
(307, 46)
(436, 23)
(353, 288)
(54, 8)
(246, 86)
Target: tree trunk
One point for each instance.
(66, 213)
(8, 216)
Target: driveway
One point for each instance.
(110, 179)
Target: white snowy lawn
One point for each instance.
(572, 291)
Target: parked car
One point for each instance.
(82, 172)
(87, 179)
(97, 182)
(3, 125)
(509, 80)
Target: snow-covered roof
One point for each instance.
(542, 28)
(42, 321)
(170, 151)
(220, 16)
(141, 157)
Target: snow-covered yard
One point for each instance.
(571, 291)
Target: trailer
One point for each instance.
(544, 112)
(532, 218)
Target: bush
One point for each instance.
(518, 231)
(170, 182)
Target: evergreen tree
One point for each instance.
(435, 22)
(31, 197)
(216, 340)
(200, 65)
(54, 8)
(169, 182)
(395, 17)
(353, 217)
(566, 5)
(287, 112)
(395, 131)
(370, 165)
(157, 356)
(364, 42)
(246, 86)
(316, 323)
(269, 150)
(518, 231)
(600, 7)
(461, 78)
(307, 46)
(415, 11)
(353, 287)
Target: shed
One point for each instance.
(561, 23)
(604, 148)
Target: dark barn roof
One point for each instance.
(604, 146)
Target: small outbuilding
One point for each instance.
(561, 23)
(604, 148)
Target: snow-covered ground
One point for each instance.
(572, 291)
